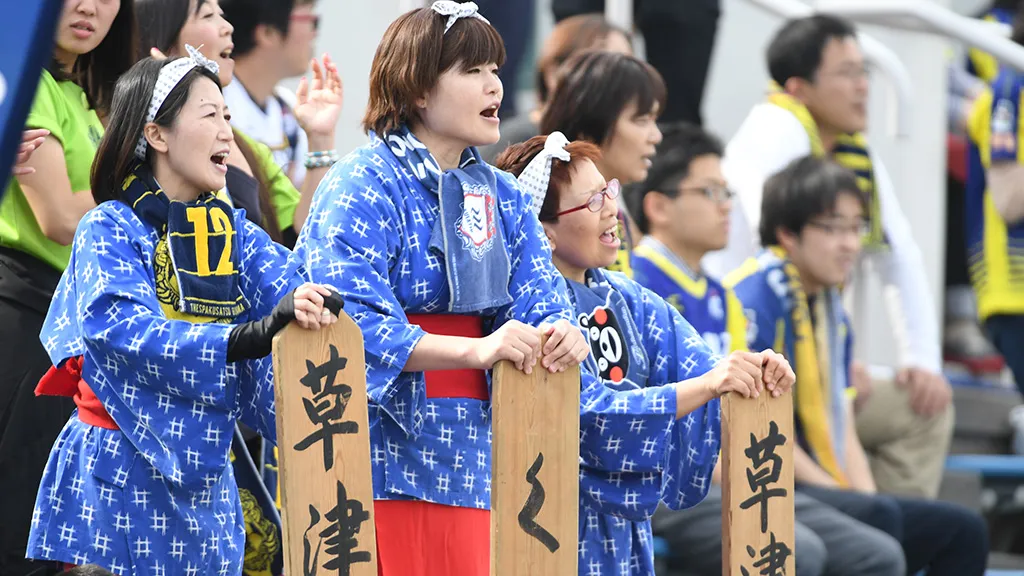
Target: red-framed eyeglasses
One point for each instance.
(596, 202)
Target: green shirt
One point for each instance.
(61, 108)
(284, 197)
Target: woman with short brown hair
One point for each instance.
(446, 271)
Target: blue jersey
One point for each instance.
(712, 310)
(634, 453)
(785, 319)
(995, 247)
(157, 496)
(368, 235)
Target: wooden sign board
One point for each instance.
(535, 471)
(757, 485)
(324, 447)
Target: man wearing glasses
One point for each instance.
(817, 106)
(273, 42)
(683, 210)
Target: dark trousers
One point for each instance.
(1007, 335)
(679, 36)
(947, 539)
(29, 425)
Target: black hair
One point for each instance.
(797, 48)
(806, 189)
(681, 144)
(593, 89)
(160, 23)
(115, 156)
(97, 71)
(247, 15)
(88, 570)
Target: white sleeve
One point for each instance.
(908, 298)
(769, 139)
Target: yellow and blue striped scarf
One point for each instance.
(197, 256)
(850, 152)
(819, 361)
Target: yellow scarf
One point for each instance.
(813, 366)
(851, 152)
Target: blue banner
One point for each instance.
(26, 44)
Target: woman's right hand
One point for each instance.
(739, 372)
(514, 341)
(30, 140)
(310, 312)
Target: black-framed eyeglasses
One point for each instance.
(717, 193)
(596, 202)
(835, 227)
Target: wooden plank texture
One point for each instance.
(757, 485)
(535, 472)
(324, 448)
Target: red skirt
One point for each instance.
(416, 538)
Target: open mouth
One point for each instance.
(610, 237)
(491, 112)
(220, 160)
(226, 54)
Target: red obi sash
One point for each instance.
(460, 383)
(67, 381)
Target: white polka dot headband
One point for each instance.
(456, 10)
(535, 177)
(170, 75)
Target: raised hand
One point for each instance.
(318, 102)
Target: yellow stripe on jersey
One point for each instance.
(696, 288)
(996, 268)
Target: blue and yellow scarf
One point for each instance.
(197, 256)
(819, 360)
(850, 152)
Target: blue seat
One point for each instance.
(969, 381)
(989, 466)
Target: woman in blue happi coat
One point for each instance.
(656, 436)
(160, 329)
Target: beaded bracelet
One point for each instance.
(324, 159)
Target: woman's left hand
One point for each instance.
(565, 347)
(777, 374)
(318, 102)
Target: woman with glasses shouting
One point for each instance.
(651, 367)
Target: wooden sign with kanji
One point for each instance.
(535, 457)
(324, 446)
(757, 485)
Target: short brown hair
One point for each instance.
(516, 157)
(414, 53)
(594, 88)
(572, 35)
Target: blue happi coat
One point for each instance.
(368, 236)
(634, 453)
(157, 497)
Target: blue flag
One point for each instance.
(26, 42)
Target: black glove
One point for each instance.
(255, 339)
